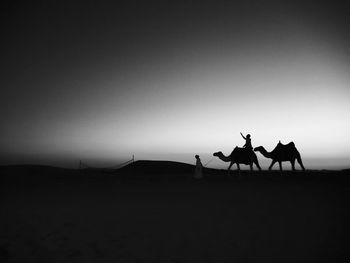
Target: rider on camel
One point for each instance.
(248, 142)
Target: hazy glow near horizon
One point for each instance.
(194, 95)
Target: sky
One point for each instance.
(98, 82)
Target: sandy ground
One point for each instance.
(270, 220)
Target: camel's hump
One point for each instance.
(288, 144)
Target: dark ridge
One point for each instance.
(146, 167)
(41, 174)
(157, 167)
(41, 171)
(156, 171)
(164, 170)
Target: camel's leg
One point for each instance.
(280, 164)
(238, 168)
(257, 164)
(272, 163)
(300, 161)
(229, 168)
(293, 164)
(251, 161)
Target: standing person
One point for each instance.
(248, 142)
(198, 173)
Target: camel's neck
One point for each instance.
(224, 158)
(263, 151)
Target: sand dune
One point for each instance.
(63, 215)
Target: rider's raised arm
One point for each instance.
(243, 136)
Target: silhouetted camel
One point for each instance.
(281, 153)
(239, 156)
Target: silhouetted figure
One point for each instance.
(281, 153)
(248, 142)
(239, 156)
(198, 173)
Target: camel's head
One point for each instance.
(217, 153)
(257, 149)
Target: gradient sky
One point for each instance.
(167, 80)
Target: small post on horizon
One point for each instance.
(79, 164)
(133, 158)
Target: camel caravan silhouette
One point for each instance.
(246, 155)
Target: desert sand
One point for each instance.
(155, 212)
